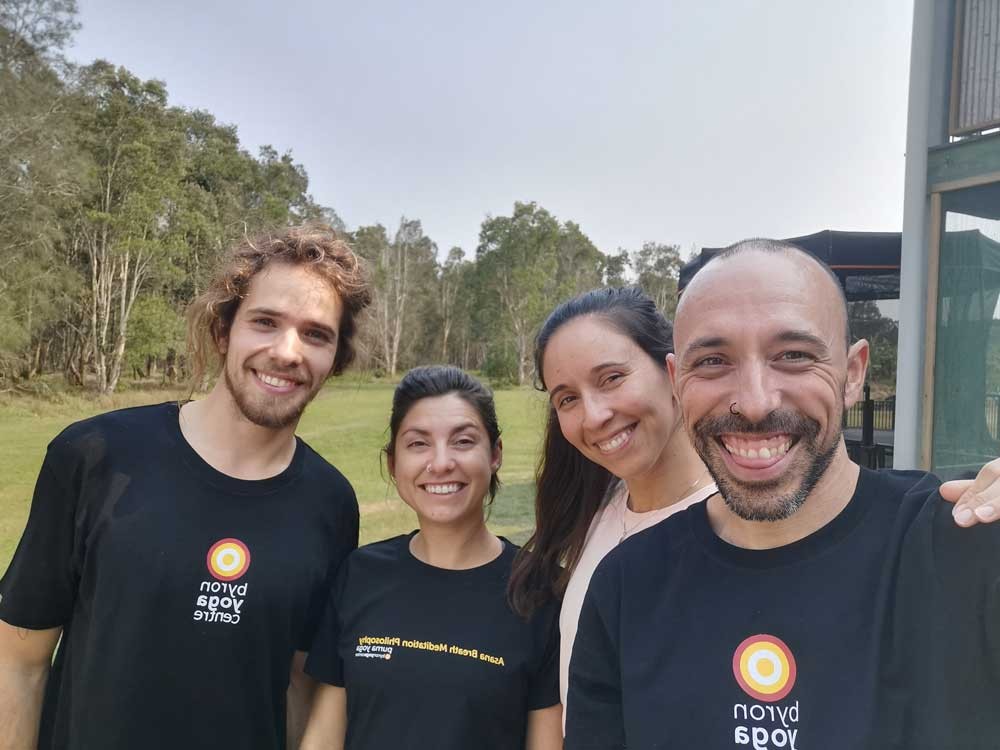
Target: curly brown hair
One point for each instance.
(316, 246)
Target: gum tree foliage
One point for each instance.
(155, 327)
(121, 225)
(401, 270)
(517, 255)
(529, 261)
(615, 268)
(657, 267)
(35, 31)
(37, 178)
(868, 322)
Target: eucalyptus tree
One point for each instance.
(450, 277)
(135, 165)
(38, 176)
(657, 267)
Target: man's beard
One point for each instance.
(759, 501)
(266, 412)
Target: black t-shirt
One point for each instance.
(182, 592)
(433, 658)
(879, 630)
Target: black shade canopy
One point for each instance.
(867, 263)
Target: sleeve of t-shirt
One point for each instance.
(345, 542)
(594, 719)
(947, 611)
(39, 588)
(966, 564)
(966, 568)
(544, 689)
(324, 662)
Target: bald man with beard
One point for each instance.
(812, 603)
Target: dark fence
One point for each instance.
(884, 411)
(872, 456)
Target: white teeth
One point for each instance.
(442, 489)
(765, 452)
(615, 442)
(276, 382)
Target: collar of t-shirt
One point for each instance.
(204, 471)
(499, 565)
(823, 538)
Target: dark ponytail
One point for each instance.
(570, 488)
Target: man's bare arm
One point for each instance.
(25, 657)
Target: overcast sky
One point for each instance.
(698, 122)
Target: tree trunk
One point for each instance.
(383, 319)
(170, 367)
(444, 339)
(34, 361)
(73, 368)
(522, 358)
(43, 355)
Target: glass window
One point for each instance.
(967, 357)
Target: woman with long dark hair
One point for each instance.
(615, 457)
(419, 646)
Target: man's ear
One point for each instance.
(672, 370)
(857, 368)
(221, 336)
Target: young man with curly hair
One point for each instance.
(181, 552)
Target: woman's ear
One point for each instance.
(390, 464)
(497, 458)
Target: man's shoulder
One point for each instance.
(317, 468)
(950, 548)
(889, 501)
(121, 426)
(929, 542)
(385, 552)
(903, 483)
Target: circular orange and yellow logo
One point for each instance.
(228, 559)
(764, 667)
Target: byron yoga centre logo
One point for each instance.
(764, 667)
(221, 600)
(228, 559)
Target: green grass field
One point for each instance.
(346, 424)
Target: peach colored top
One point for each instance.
(613, 522)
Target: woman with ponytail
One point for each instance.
(615, 458)
(418, 647)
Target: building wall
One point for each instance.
(948, 417)
(927, 125)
